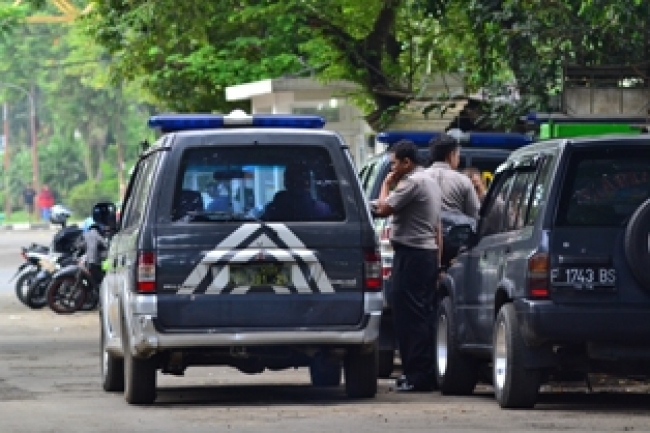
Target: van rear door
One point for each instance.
(261, 234)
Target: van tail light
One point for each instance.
(372, 271)
(386, 265)
(538, 276)
(146, 272)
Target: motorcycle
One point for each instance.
(62, 253)
(73, 289)
(28, 269)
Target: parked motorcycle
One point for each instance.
(28, 269)
(73, 289)
(64, 245)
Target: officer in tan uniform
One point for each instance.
(458, 193)
(413, 199)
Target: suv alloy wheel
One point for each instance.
(514, 386)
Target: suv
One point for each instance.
(555, 283)
(482, 150)
(283, 273)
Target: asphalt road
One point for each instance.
(49, 382)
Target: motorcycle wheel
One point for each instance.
(36, 297)
(66, 295)
(22, 285)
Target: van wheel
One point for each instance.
(457, 373)
(139, 375)
(514, 385)
(360, 368)
(385, 363)
(637, 251)
(112, 367)
(325, 372)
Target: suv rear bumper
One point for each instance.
(548, 322)
(145, 339)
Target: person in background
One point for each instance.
(458, 193)
(477, 181)
(28, 198)
(96, 249)
(413, 199)
(296, 202)
(45, 202)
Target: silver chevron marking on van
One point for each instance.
(243, 246)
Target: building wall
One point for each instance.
(342, 116)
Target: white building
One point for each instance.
(308, 96)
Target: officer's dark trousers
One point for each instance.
(414, 276)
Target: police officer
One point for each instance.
(413, 199)
(458, 193)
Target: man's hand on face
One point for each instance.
(392, 180)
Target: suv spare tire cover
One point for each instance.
(637, 244)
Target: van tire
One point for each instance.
(112, 367)
(325, 372)
(636, 244)
(139, 375)
(385, 363)
(360, 369)
(515, 387)
(456, 372)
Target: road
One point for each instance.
(49, 382)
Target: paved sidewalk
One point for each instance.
(29, 226)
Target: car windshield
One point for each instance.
(603, 188)
(275, 183)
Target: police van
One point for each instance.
(484, 151)
(276, 266)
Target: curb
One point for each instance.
(28, 226)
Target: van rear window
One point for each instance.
(274, 183)
(602, 188)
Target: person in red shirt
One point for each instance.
(45, 202)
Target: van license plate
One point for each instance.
(584, 277)
(260, 274)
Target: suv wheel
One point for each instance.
(514, 385)
(139, 375)
(112, 367)
(637, 244)
(360, 368)
(457, 373)
(385, 363)
(325, 372)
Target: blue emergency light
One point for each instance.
(420, 138)
(188, 122)
(499, 140)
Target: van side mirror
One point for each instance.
(105, 213)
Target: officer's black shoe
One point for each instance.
(402, 384)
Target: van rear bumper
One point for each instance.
(145, 339)
(547, 322)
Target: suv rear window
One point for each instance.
(278, 183)
(604, 189)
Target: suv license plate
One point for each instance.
(584, 277)
(260, 274)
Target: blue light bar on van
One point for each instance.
(188, 122)
(503, 140)
(420, 138)
(500, 140)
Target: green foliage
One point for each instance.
(83, 197)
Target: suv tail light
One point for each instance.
(372, 271)
(386, 265)
(538, 276)
(146, 272)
